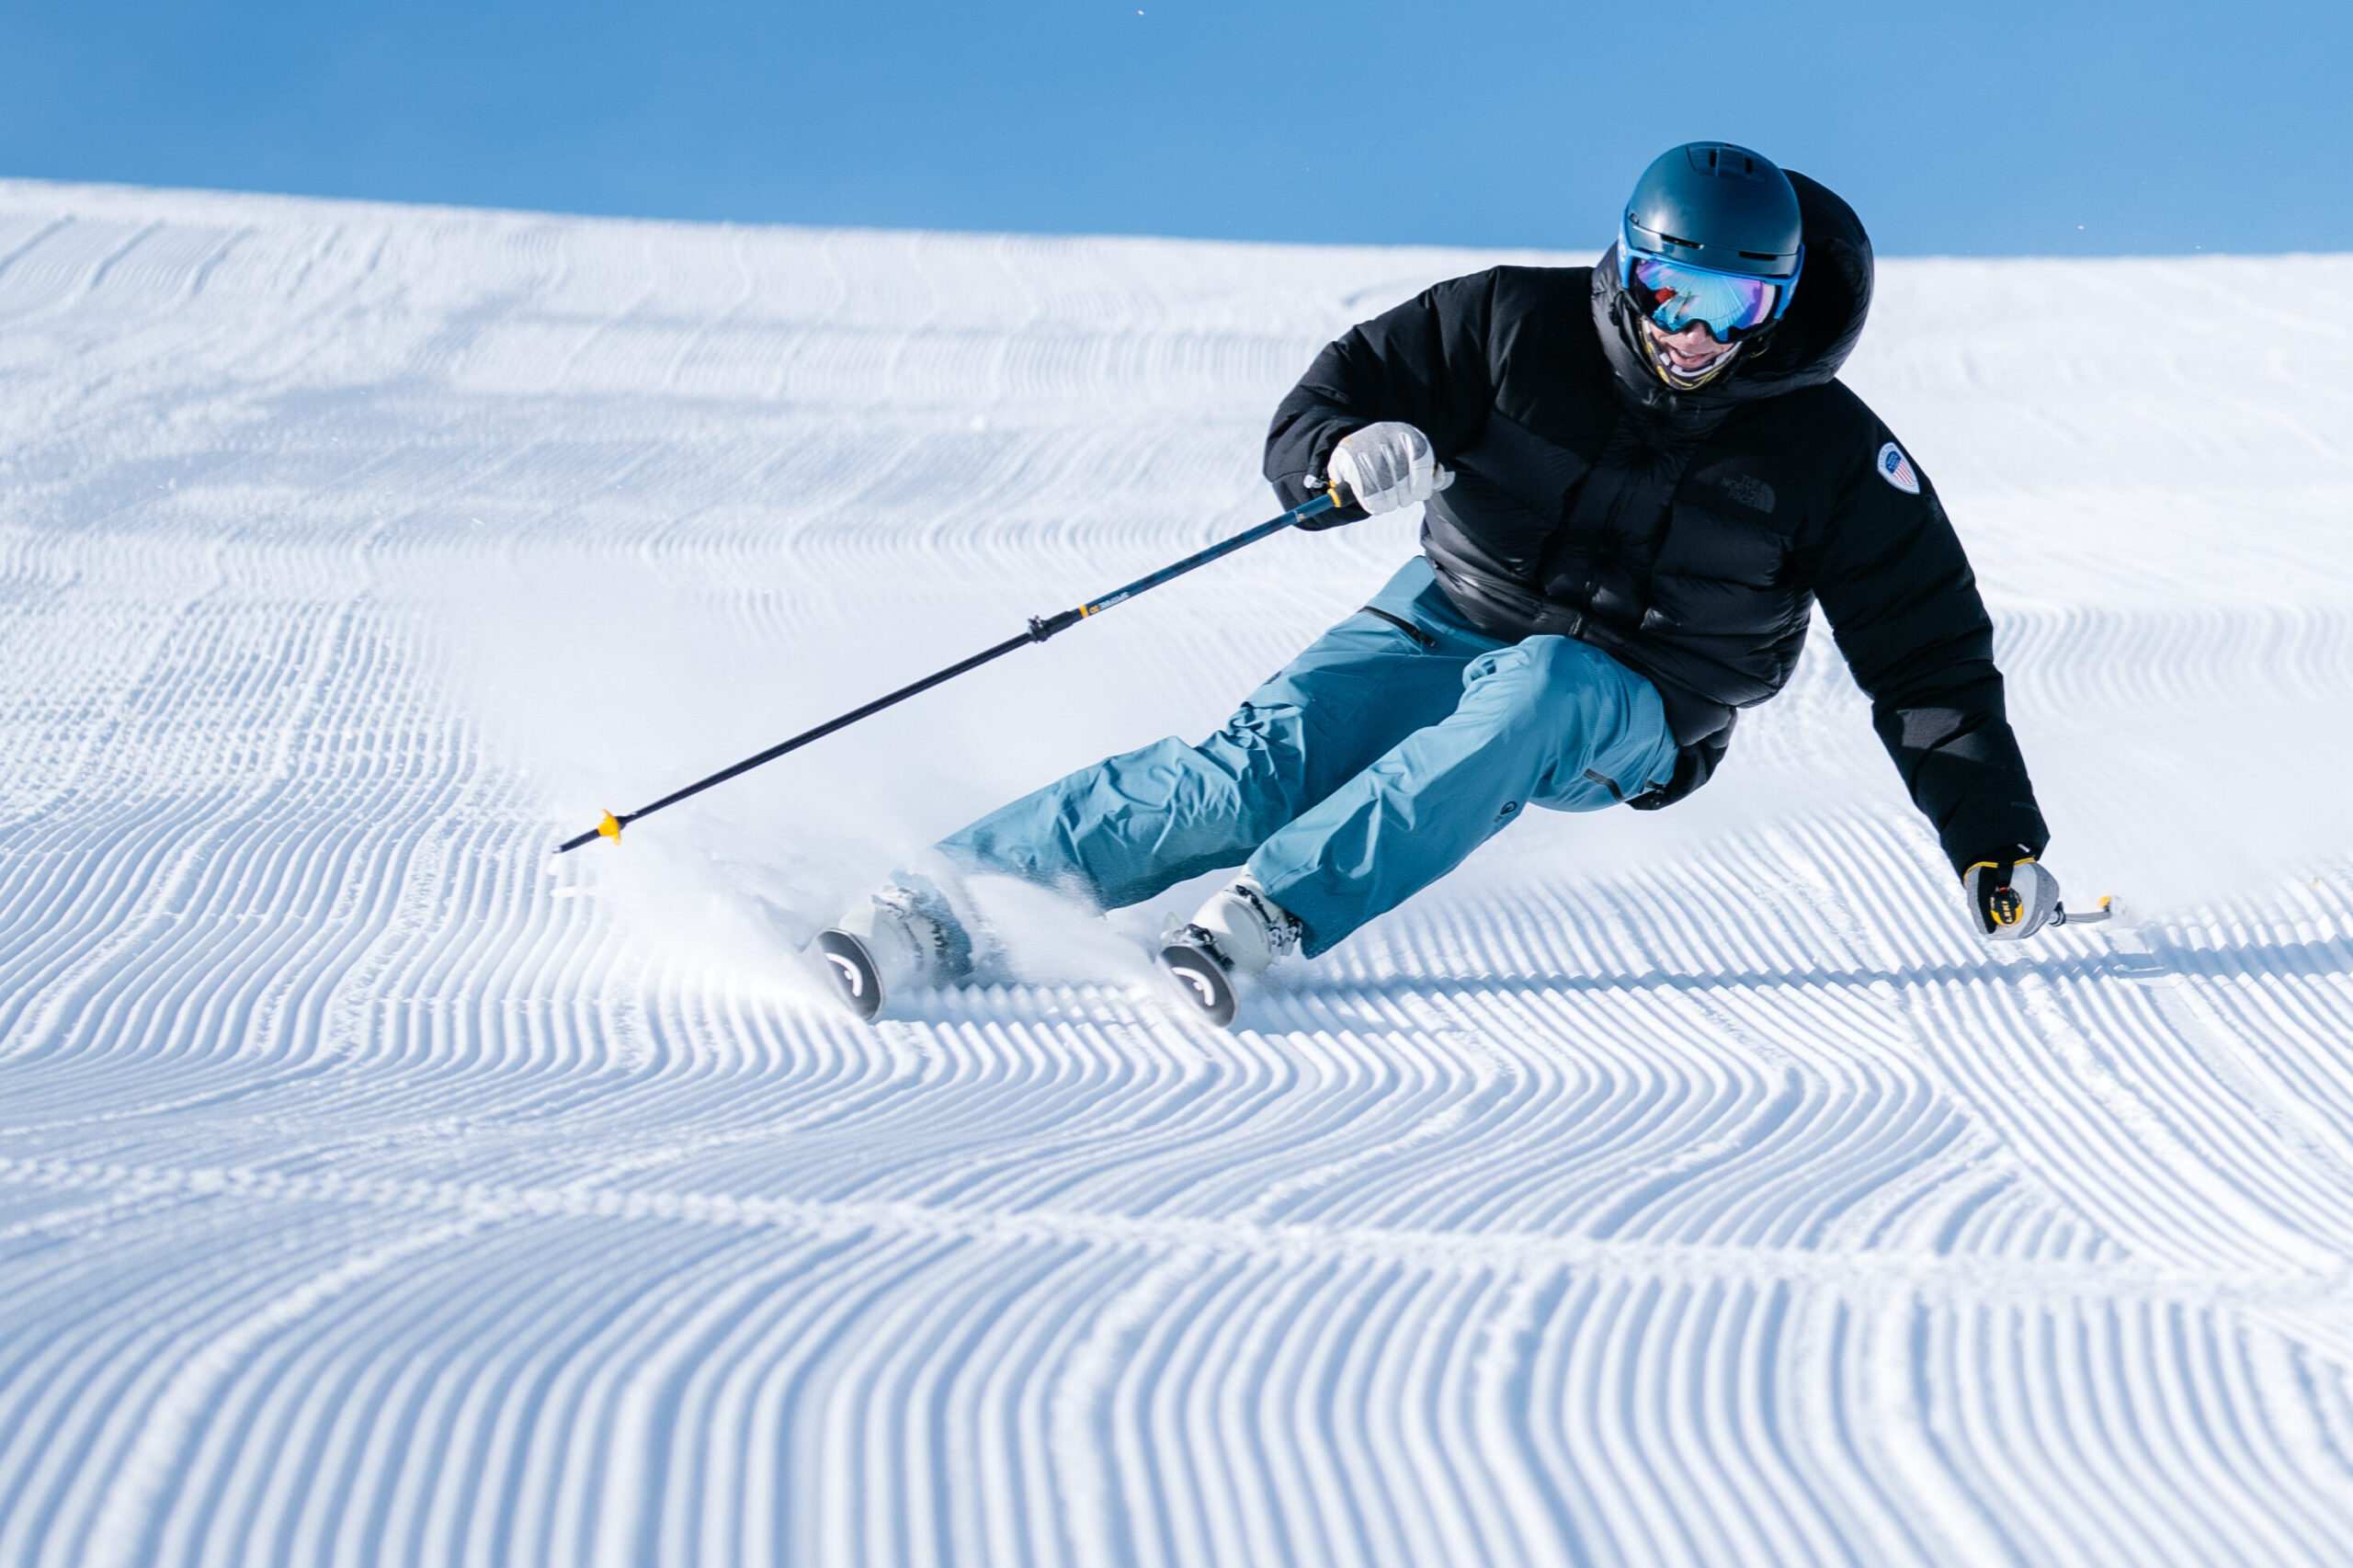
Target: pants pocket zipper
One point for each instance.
(1402, 624)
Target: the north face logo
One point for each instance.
(1748, 490)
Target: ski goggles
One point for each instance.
(1674, 294)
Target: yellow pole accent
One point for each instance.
(610, 827)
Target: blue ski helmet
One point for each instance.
(1711, 233)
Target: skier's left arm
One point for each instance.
(1892, 579)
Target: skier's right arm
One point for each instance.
(1424, 364)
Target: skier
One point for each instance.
(1655, 477)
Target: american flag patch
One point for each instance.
(1896, 469)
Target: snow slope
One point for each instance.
(1688, 1189)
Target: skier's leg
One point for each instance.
(1548, 721)
(1127, 827)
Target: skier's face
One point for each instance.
(1693, 352)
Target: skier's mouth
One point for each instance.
(1688, 359)
(1692, 353)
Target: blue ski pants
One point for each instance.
(1366, 768)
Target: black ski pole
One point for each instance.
(1039, 630)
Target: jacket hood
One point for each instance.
(1804, 348)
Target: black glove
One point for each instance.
(2011, 898)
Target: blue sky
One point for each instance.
(1996, 128)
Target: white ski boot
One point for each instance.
(905, 936)
(1239, 931)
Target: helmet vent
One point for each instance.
(1720, 158)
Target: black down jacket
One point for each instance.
(1688, 534)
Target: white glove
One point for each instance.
(1384, 466)
(2012, 900)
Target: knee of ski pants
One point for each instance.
(1599, 727)
(1121, 831)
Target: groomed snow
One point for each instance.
(1688, 1189)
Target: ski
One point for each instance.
(1198, 976)
(858, 980)
(1196, 985)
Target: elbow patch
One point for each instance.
(1939, 729)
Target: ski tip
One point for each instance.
(857, 984)
(1199, 982)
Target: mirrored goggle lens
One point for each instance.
(1676, 296)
